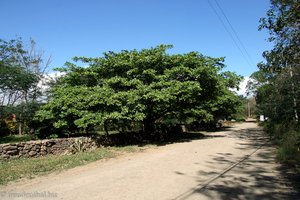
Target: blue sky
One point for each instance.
(68, 28)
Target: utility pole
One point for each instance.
(249, 109)
(293, 93)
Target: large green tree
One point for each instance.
(148, 86)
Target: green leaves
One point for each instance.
(137, 86)
(282, 22)
(276, 85)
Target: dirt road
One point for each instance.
(235, 164)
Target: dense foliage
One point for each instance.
(277, 84)
(147, 87)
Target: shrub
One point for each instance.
(287, 137)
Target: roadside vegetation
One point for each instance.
(276, 86)
(15, 139)
(27, 168)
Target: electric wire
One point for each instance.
(229, 33)
(234, 32)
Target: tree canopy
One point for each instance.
(21, 72)
(148, 86)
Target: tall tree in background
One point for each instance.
(21, 72)
(283, 61)
(277, 84)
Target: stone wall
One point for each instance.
(46, 147)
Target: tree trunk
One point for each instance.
(106, 128)
(20, 128)
(293, 94)
(149, 126)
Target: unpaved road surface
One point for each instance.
(237, 163)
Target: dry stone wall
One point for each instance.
(46, 147)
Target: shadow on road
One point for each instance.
(256, 177)
(136, 138)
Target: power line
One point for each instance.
(234, 32)
(229, 33)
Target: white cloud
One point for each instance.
(243, 87)
(44, 82)
(55, 75)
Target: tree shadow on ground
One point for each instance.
(137, 139)
(256, 177)
(161, 139)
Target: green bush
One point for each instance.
(3, 128)
(287, 137)
(15, 138)
(291, 142)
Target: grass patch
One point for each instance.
(15, 138)
(17, 168)
(130, 148)
(288, 154)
